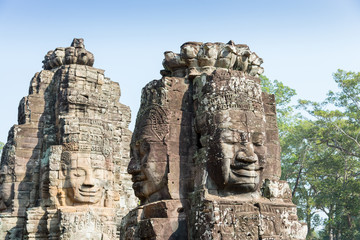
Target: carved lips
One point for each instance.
(140, 177)
(245, 171)
(93, 192)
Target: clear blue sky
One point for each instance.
(302, 42)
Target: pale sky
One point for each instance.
(302, 42)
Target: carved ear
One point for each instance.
(2, 205)
(64, 170)
(63, 173)
(65, 163)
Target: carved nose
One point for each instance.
(89, 180)
(133, 167)
(247, 154)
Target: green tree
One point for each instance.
(320, 156)
(294, 135)
(283, 95)
(334, 170)
(1, 147)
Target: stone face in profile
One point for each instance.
(63, 170)
(161, 159)
(148, 165)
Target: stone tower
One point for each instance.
(205, 154)
(63, 168)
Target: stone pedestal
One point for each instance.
(164, 219)
(258, 218)
(89, 223)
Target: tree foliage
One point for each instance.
(283, 95)
(320, 156)
(294, 133)
(1, 147)
(334, 168)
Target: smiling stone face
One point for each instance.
(236, 152)
(86, 179)
(231, 124)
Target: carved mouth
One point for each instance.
(245, 173)
(245, 170)
(89, 193)
(245, 166)
(138, 178)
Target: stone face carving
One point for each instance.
(161, 161)
(63, 169)
(234, 180)
(230, 121)
(231, 136)
(149, 164)
(86, 178)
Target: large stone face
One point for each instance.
(63, 168)
(161, 165)
(226, 152)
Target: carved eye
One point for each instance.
(227, 137)
(258, 139)
(78, 173)
(99, 173)
(144, 148)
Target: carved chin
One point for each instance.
(138, 190)
(144, 190)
